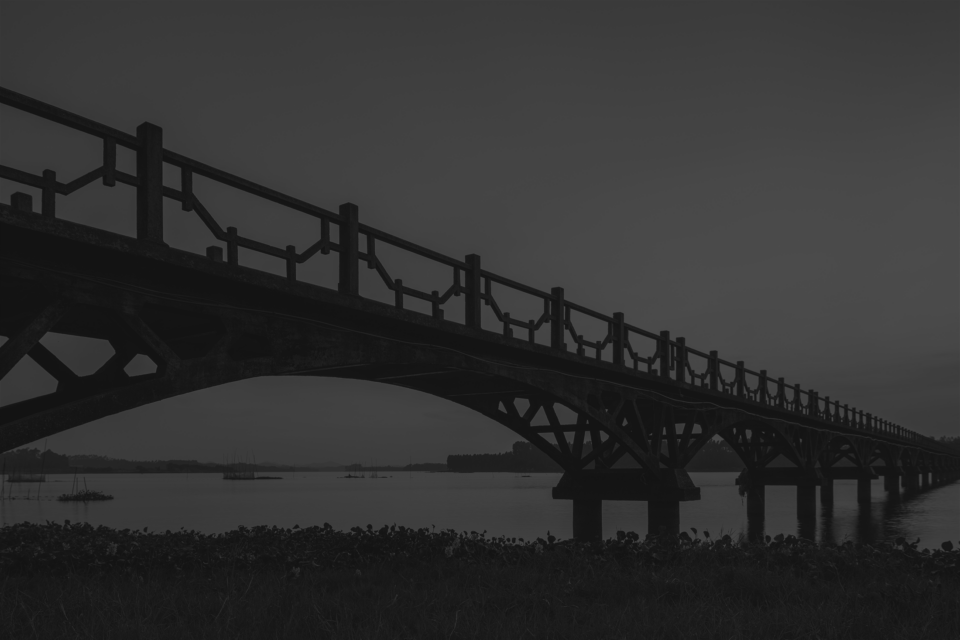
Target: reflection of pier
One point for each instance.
(590, 402)
(874, 520)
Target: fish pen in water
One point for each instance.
(19, 476)
(239, 475)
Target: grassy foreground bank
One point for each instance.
(76, 581)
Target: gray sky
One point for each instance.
(777, 181)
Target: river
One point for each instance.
(499, 503)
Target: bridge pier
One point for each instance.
(663, 516)
(925, 479)
(662, 494)
(587, 519)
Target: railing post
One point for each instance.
(349, 249)
(764, 393)
(557, 320)
(150, 183)
(741, 392)
(681, 362)
(813, 404)
(797, 402)
(781, 393)
(846, 415)
(48, 198)
(618, 345)
(869, 422)
(473, 296)
(398, 293)
(291, 263)
(714, 370)
(665, 359)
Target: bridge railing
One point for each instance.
(623, 345)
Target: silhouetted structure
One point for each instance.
(205, 321)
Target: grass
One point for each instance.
(403, 583)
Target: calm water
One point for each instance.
(500, 503)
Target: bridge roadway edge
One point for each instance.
(29, 241)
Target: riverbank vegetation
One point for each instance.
(75, 580)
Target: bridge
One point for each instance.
(622, 413)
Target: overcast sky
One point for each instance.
(777, 181)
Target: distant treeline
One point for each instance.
(524, 458)
(34, 460)
(713, 456)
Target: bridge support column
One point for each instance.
(587, 519)
(826, 491)
(756, 500)
(925, 479)
(806, 501)
(863, 490)
(663, 516)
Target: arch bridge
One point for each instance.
(622, 413)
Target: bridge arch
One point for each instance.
(198, 346)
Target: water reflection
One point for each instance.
(499, 503)
(826, 522)
(807, 527)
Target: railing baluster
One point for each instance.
(291, 263)
(507, 329)
(714, 367)
(764, 392)
(349, 249)
(617, 331)
(740, 382)
(150, 183)
(663, 349)
(557, 320)
(781, 393)
(681, 361)
(435, 301)
(472, 298)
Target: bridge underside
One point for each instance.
(204, 323)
